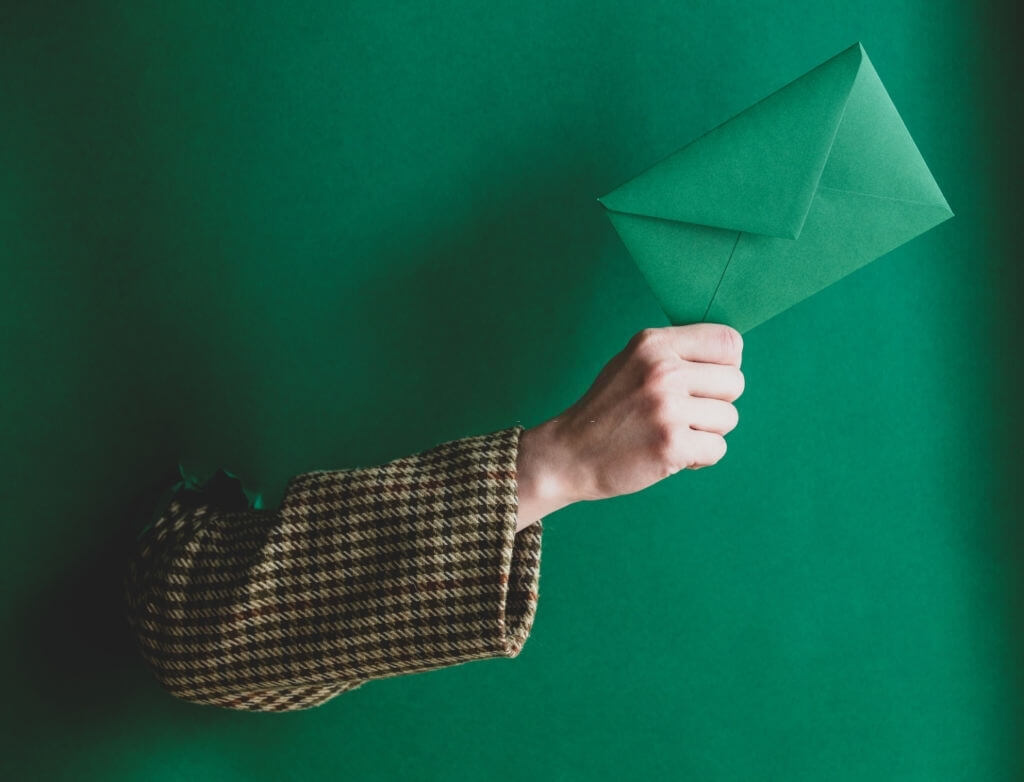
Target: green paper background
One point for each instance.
(307, 235)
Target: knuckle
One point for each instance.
(665, 439)
(656, 371)
(734, 417)
(710, 452)
(690, 456)
(657, 407)
(741, 383)
(681, 452)
(645, 339)
(730, 339)
(722, 447)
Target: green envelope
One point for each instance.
(807, 185)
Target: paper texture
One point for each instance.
(804, 187)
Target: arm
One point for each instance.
(427, 561)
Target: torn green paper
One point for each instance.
(223, 490)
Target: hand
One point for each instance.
(662, 404)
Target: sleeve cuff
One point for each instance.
(425, 553)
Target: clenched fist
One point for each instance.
(662, 404)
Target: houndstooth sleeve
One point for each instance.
(360, 574)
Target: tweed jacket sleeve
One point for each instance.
(360, 574)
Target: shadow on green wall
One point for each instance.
(1003, 68)
(468, 294)
(76, 651)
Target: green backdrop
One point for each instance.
(278, 237)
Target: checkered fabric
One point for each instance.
(360, 574)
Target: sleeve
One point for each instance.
(360, 574)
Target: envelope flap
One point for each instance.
(873, 152)
(758, 171)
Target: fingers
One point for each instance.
(712, 415)
(714, 343)
(717, 381)
(689, 376)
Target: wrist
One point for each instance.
(542, 474)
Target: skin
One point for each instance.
(664, 403)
